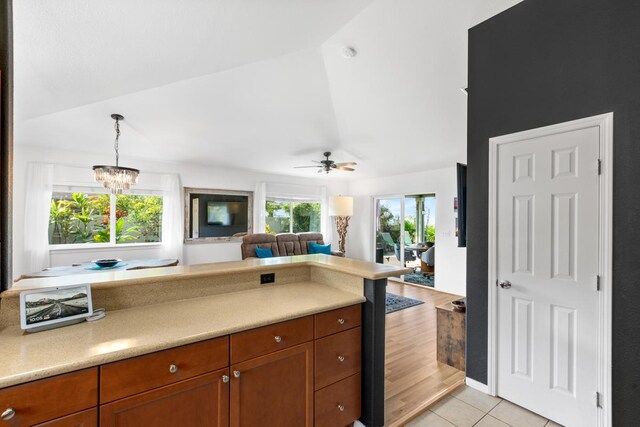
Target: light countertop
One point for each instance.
(364, 269)
(146, 329)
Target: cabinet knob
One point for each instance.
(278, 338)
(8, 414)
(341, 321)
(173, 369)
(340, 407)
(340, 359)
(236, 374)
(225, 378)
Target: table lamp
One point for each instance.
(341, 207)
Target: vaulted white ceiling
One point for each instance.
(255, 84)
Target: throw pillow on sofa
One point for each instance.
(264, 253)
(315, 248)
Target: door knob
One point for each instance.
(505, 284)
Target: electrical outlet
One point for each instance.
(267, 278)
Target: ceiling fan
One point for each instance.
(327, 165)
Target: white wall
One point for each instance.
(191, 175)
(450, 259)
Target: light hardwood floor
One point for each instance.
(414, 379)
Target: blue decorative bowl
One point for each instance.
(106, 263)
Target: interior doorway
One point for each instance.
(550, 270)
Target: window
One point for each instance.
(288, 216)
(86, 217)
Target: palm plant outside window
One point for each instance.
(87, 218)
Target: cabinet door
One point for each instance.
(200, 401)
(88, 418)
(274, 390)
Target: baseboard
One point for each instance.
(357, 423)
(477, 385)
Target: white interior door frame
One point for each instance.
(605, 123)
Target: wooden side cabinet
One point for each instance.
(200, 401)
(451, 326)
(275, 390)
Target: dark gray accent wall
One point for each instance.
(6, 143)
(544, 62)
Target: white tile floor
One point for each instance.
(466, 407)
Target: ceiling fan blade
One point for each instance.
(346, 164)
(299, 167)
(344, 168)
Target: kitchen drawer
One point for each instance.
(337, 357)
(88, 418)
(339, 320)
(339, 404)
(131, 376)
(257, 342)
(50, 398)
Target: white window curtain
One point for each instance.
(39, 190)
(259, 202)
(172, 218)
(325, 224)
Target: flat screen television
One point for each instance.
(462, 205)
(217, 214)
(224, 213)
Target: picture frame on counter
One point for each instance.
(49, 308)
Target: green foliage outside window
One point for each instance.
(390, 223)
(85, 218)
(296, 217)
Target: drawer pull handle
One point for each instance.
(278, 338)
(225, 379)
(8, 414)
(340, 407)
(341, 321)
(236, 374)
(173, 369)
(340, 359)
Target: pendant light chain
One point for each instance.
(115, 144)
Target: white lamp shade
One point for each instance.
(341, 206)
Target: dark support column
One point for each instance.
(6, 142)
(373, 333)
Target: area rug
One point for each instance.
(419, 279)
(396, 303)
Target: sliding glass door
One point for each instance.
(388, 229)
(404, 231)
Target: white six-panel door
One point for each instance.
(547, 263)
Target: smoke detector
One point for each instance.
(349, 52)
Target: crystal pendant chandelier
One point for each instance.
(116, 178)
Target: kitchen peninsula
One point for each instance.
(206, 345)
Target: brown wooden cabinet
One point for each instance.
(200, 401)
(275, 390)
(300, 372)
(88, 418)
(49, 399)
